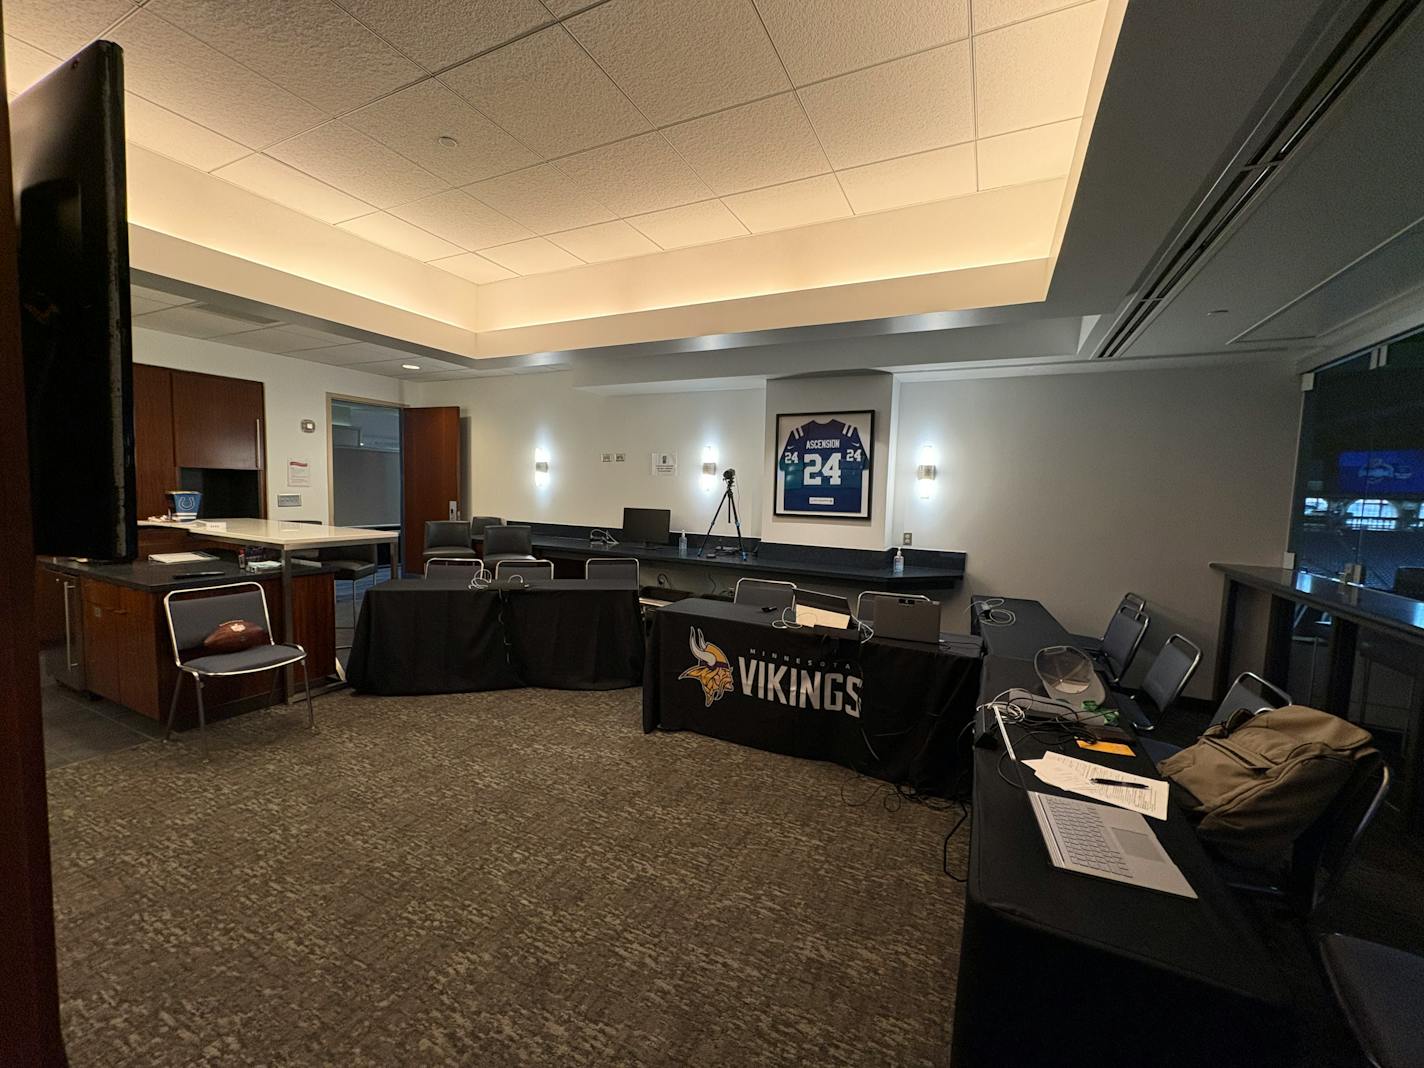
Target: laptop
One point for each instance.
(822, 610)
(907, 619)
(1107, 842)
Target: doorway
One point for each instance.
(365, 484)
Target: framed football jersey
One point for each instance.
(823, 464)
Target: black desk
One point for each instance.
(789, 691)
(1062, 969)
(1034, 628)
(419, 636)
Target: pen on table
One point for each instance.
(1119, 782)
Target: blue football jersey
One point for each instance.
(823, 468)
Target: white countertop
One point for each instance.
(282, 534)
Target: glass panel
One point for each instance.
(366, 464)
(1388, 691)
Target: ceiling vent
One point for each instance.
(1298, 109)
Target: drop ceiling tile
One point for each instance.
(441, 33)
(754, 145)
(635, 176)
(606, 241)
(543, 198)
(535, 256)
(139, 305)
(456, 216)
(326, 337)
(680, 58)
(147, 124)
(413, 120)
(24, 65)
(192, 320)
(276, 181)
(546, 91)
(354, 354)
(157, 297)
(991, 14)
(918, 179)
(309, 47)
(1036, 72)
(819, 39)
(564, 8)
(690, 224)
(62, 27)
(908, 105)
(400, 236)
(280, 340)
(473, 268)
(357, 165)
(1027, 155)
(781, 207)
(179, 72)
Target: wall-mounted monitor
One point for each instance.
(1381, 472)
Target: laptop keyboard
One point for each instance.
(1083, 837)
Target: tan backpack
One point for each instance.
(1260, 781)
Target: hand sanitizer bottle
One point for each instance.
(897, 565)
(682, 544)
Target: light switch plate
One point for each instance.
(289, 500)
(608, 457)
(619, 457)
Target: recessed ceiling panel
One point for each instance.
(355, 164)
(635, 176)
(691, 224)
(534, 256)
(473, 268)
(918, 179)
(441, 33)
(1036, 72)
(606, 241)
(62, 27)
(400, 236)
(1027, 155)
(147, 124)
(819, 39)
(24, 65)
(459, 217)
(542, 198)
(751, 146)
(781, 207)
(274, 180)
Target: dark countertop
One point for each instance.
(1380, 610)
(161, 578)
(855, 567)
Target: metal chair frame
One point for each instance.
(440, 563)
(595, 563)
(762, 584)
(199, 674)
(523, 565)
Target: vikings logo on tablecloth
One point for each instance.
(712, 669)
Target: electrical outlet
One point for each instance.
(289, 500)
(619, 457)
(908, 538)
(608, 457)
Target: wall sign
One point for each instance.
(298, 473)
(823, 465)
(664, 463)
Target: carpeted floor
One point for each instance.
(517, 878)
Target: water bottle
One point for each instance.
(897, 565)
(682, 544)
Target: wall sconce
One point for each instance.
(709, 468)
(926, 473)
(541, 468)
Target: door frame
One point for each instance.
(331, 449)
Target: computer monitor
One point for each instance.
(648, 525)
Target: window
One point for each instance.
(1371, 514)
(1316, 506)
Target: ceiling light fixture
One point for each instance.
(446, 141)
(411, 366)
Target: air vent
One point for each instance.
(1298, 111)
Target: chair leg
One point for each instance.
(173, 706)
(306, 682)
(202, 717)
(276, 683)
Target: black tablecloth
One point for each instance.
(887, 708)
(1034, 627)
(1058, 968)
(418, 636)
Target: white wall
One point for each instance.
(508, 417)
(1074, 488)
(293, 390)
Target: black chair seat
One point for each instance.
(1156, 750)
(1131, 710)
(456, 551)
(352, 570)
(1090, 645)
(255, 659)
(1378, 990)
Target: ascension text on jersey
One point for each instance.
(823, 466)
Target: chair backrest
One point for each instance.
(1171, 671)
(508, 541)
(445, 566)
(1253, 692)
(1324, 851)
(1121, 639)
(764, 593)
(529, 570)
(1135, 601)
(480, 523)
(194, 614)
(446, 534)
(613, 568)
(865, 603)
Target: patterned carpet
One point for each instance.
(517, 878)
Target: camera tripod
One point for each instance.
(730, 501)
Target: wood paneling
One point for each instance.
(155, 471)
(217, 422)
(430, 473)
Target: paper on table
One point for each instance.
(180, 558)
(1068, 773)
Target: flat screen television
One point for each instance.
(1381, 472)
(648, 525)
(67, 152)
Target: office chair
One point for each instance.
(764, 593)
(194, 614)
(447, 537)
(1164, 682)
(479, 524)
(1377, 988)
(1120, 642)
(453, 566)
(1248, 691)
(865, 603)
(507, 542)
(612, 568)
(352, 563)
(530, 570)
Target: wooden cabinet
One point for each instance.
(154, 467)
(217, 422)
